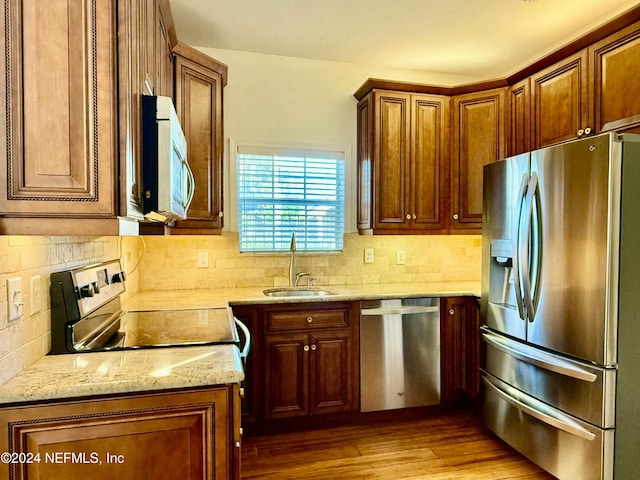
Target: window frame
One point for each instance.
(231, 206)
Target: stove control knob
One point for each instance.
(96, 287)
(118, 277)
(87, 291)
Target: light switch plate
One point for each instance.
(14, 298)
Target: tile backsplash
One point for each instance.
(172, 262)
(27, 339)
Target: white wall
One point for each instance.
(299, 101)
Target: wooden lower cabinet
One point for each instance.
(303, 361)
(459, 348)
(187, 435)
(308, 373)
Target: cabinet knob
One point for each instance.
(306, 348)
(241, 392)
(451, 311)
(221, 214)
(408, 216)
(414, 216)
(587, 131)
(456, 216)
(309, 319)
(580, 132)
(313, 347)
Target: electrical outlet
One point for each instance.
(203, 259)
(400, 257)
(368, 255)
(35, 293)
(14, 298)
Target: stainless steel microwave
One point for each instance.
(167, 181)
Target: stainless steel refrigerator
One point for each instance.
(561, 306)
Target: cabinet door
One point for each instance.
(166, 436)
(164, 57)
(429, 158)
(392, 119)
(286, 375)
(365, 164)
(519, 118)
(459, 347)
(198, 91)
(331, 373)
(59, 94)
(478, 139)
(560, 101)
(615, 75)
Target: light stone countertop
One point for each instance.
(123, 371)
(118, 372)
(223, 297)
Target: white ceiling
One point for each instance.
(481, 38)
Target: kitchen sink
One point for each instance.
(296, 292)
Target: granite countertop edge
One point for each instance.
(77, 376)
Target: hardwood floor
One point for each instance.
(443, 447)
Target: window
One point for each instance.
(285, 191)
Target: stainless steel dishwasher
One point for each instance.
(399, 353)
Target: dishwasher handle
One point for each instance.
(404, 310)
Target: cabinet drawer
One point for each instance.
(303, 319)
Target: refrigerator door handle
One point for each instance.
(539, 410)
(538, 358)
(516, 248)
(524, 236)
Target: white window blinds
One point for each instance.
(285, 191)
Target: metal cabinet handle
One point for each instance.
(306, 348)
(313, 347)
(456, 216)
(309, 319)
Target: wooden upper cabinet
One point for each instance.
(199, 81)
(615, 80)
(402, 155)
(392, 117)
(365, 164)
(519, 118)
(428, 201)
(477, 140)
(60, 97)
(560, 101)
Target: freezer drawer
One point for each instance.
(563, 445)
(580, 389)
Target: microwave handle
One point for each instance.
(191, 185)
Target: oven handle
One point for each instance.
(97, 339)
(247, 338)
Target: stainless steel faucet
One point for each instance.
(294, 278)
(292, 261)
